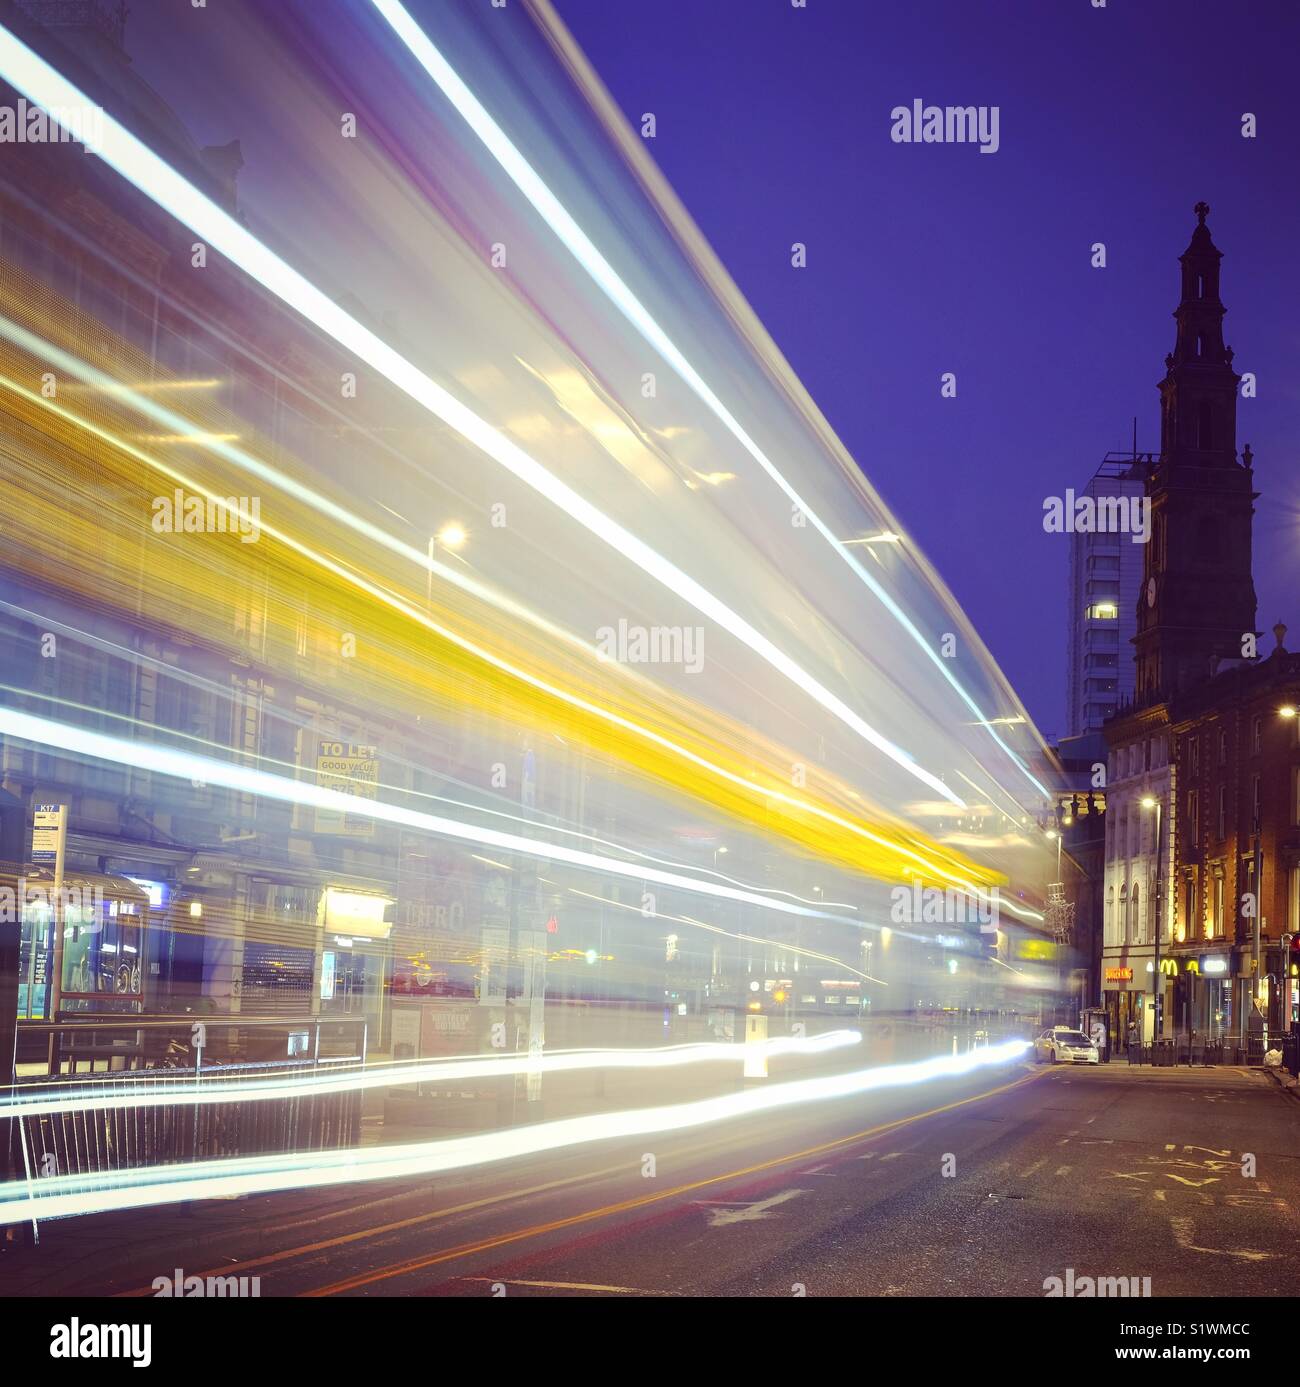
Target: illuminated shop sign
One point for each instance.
(354, 913)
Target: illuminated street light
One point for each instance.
(452, 535)
(1151, 802)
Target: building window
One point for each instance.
(1257, 735)
(1223, 811)
(1223, 748)
(1194, 756)
(1217, 925)
(1123, 915)
(1193, 815)
(1102, 611)
(1255, 803)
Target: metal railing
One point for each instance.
(1192, 1050)
(152, 1055)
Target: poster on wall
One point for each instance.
(349, 769)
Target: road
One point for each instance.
(986, 1186)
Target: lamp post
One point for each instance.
(1151, 802)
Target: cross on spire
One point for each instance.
(1202, 210)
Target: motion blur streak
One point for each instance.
(187, 766)
(78, 1195)
(43, 350)
(181, 1091)
(136, 162)
(603, 273)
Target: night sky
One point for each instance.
(774, 127)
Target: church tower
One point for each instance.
(1197, 599)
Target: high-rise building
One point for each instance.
(1105, 579)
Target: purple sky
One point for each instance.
(773, 126)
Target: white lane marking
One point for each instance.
(893, 1156)
(722, 1218)
(1063, 1170)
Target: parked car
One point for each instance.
(1061, 1045)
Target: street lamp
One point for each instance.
(1151, 802)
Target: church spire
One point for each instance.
(1199, 392)
(1198, 601)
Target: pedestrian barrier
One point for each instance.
(140, 1127)
(1191, 1051)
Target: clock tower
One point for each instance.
(1197, 600)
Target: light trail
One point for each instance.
(732, 934)
(180, 1090)
(185, 765)
(49, 89)
(48, 351)
(603, 274)
(71, 1195)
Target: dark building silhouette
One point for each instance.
(1203, 822)
(1197, 599)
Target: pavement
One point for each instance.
(985, 1186)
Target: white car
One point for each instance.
(1061, 1045)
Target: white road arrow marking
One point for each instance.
(720, 1218)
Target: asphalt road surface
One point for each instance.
(987, 1186)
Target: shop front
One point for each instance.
(1125, 996)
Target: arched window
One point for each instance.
(1139, 931)
(1123, 915)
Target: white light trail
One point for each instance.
(185, 765)
(68, 1195)
(136, 162)
(47, 351)
(583, 249)
(180, 1090)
